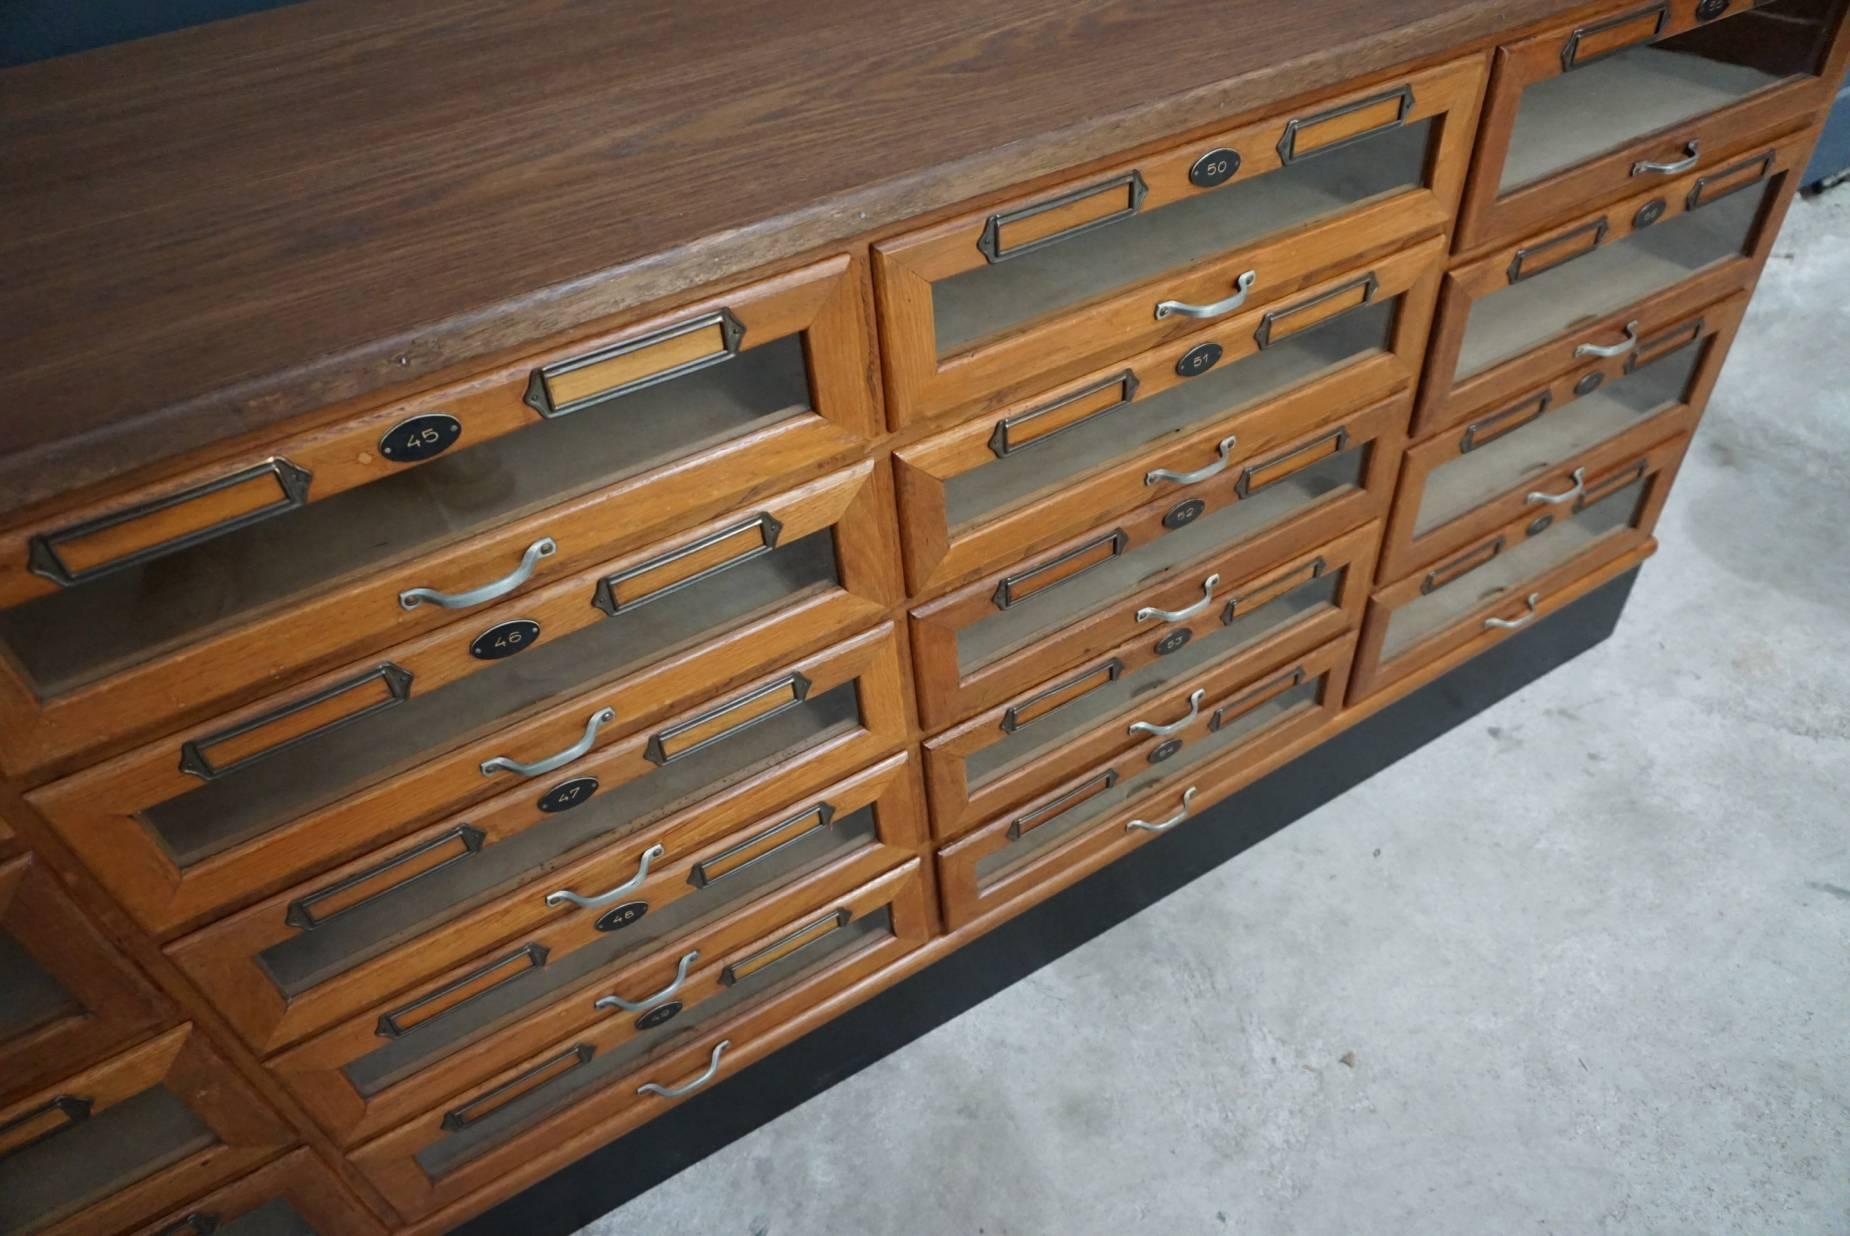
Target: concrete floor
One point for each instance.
(1581, 966)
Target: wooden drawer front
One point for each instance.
(1521, 315)
(293, 1196)
(1051, 840)
(1499, 584)
(1014, 751)
(66, 995)
(474, 912)
(179, 843)
(1587, 113)
(673, 618)
(982, 494)
(386, 1063)
(126, 1139)
(1466, 483)
(600, 1064)
(1287, 489)
(202, 592)
(997, 304)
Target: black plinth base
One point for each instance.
(604, 1180)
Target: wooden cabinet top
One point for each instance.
(210, 231)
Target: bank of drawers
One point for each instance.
(508, 762)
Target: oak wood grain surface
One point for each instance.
(210, 231)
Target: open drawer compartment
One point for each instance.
(1505, 581)
(990, 307)
(126, 1139)
(1468, 481)
(990, 490)
(1137, 690)
(1085, 821)
(294, 1196)
(585, 1069)
(1278, 491)
(1526, 313)
(128, 616)
(1586, 113)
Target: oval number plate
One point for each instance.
(420, 438)
(504, 639)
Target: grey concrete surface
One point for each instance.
(1589, 954)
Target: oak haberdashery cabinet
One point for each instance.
(517, 604)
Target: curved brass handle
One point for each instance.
(1578, 476)
(1178, 615)
(545, 547)
(1511, 624)
(1163, 731)
(1225, 449)
(1617, 349)
(566, 896)
(614, 1001)
(539, 768)
(1691, 148)
(675, 1092)
(1241, 286)
(1163, 826)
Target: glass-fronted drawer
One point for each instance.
(293, 1196)
(1521, 315)
(1467, 482)
(130, 615)
(1052, 840)
(67, 995)
(1277, 491)
(174, 846)
(997, 304)
(112, 1146)
(1508, 580)
(1583, 114)
(589, 1063)
(1139, 689)
(990, 490)
(388, 1061)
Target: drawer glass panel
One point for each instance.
(1517, 317)
(999, 297)
(82, 633)
(29, 995)
(88, 1159)
(1031, 741)
(1237, 731)
(1047, 464)
(1535, 556)
(1049, 609)
(275, 1217)
(273, 788)
(1614, 100)
(437, 1037)
(372, 926)
(479, 1136)
(1468, 480)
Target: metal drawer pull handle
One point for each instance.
(1692, 148)
(566, 896)
(1163, 731)
(1163, 826)
(1511, 624)
(675, 1092)
(599, 719)
(1199, 474)
(1180, 615)
(1578, 476)
(661, 997)
(1241, 285)
(1617, 349)
(545, 547)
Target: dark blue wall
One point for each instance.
(38, 29)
